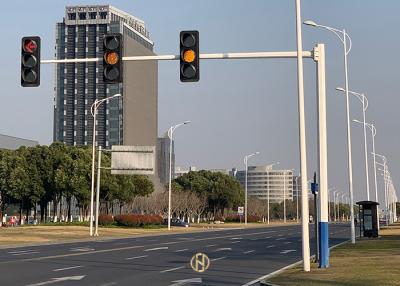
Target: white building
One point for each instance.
(262, 180)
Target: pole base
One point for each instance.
(323, 245)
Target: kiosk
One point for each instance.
(368, 218)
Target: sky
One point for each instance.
(238, 106)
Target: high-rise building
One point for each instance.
(262, 180)
(127, 120)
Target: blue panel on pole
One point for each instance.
(323, 245)
(314, 188)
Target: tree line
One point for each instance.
(34, 176)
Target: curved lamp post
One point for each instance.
(170, 135)
(93, 110)
(345, 40)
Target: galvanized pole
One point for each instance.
(302, 145)
(96, 232)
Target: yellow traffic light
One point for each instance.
(189, 56)
(111, 58)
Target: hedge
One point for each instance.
(236, 218)
(106, 219)
(135, 220)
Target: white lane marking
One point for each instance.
(81, 249)
(131, 247)
(253, 239)
(60, 279)
(267, 237)
(249, 251)
(108, 284)
(210, 245)
(25, 253)
(156, 248)
(270, 246)
(136, 257)
(219, 258)
(181, 250)
(67, 268)
(22, 251)
(287, 251)
(186, 281)
(223, 249)
(172, 269)
(236, 238)
(287, 242)
(281, 238)
(235, 241)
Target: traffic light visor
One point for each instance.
(111, 42)
(111, 58)
(188, 40)
(189, 56)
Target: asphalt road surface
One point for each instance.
(237, 256)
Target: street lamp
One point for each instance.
(373, 132)
(93, 110)
(344, 37)
(363, 99)
(329, 204)
(384, 179)
(271, 165)
(246, 158)
(170, 135)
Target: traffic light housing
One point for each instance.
(189, 56)
(112, 58)
(30, 61)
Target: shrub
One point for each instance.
(136, 220)
(236, 218)
(233, 218)
(106, 219)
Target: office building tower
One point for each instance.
(127, 120)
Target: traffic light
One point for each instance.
(112, 59)
(30, 61)
(189, 53)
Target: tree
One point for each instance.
(222, 191)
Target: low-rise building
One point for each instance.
(263, 181)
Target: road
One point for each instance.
(237, 256)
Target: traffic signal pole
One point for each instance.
(318, 56)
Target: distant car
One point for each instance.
(176, 222)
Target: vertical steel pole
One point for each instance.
(297, 199)
(365, 145)
(319, 56)
(96, 232)
(93, 162)
(302, 145)
(170, 131)
(245, 192)
(350, 163)
(284, 196)
(373, 131)
(268, 197)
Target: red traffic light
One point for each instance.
(30, 46)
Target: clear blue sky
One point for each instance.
(238, 106)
